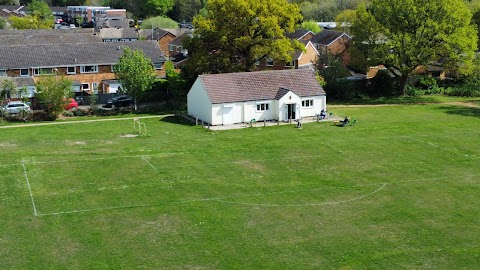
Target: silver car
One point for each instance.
(15, 107)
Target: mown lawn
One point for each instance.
(398, 190)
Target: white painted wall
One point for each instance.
(198, 103)
(289, 98)
(252, 113)
(319, 103)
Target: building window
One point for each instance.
(88, 69)
(24, 72)
(170, 48)
(158, 65)
(289, 64)
(257, 63)
(269, 62)
(71, 70)
(261, 107)
(42, 71)
(179, 48)
(85, 86)
(3, 73)
(307, 103)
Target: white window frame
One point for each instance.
(307, 103)
(36, 71)
(262, 106)
(83, 89)
(95, 69)
(170, 48)
(95, 87)
(28, 72)
(74, 70)
(270, 62)
(3, 73)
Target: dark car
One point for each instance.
(120, 101)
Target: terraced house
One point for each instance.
(81, 57)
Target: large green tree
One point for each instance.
(406, 34)
(135, 72)
(237, 33)
(40, 17)
(142, 8)
(52, 92)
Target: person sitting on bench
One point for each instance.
(345, 121)
(323, 114)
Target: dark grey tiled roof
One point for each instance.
(113, 33)
(50, 38)
(326, 37)
(54, 55)
(298, 34)
(157, 34)
(262, 85)
(46, 31)
(178, 41)
(21, 81)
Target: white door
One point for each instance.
(227, 115)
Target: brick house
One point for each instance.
(163, 38)
(300, 59)
(333, 41)
(88, 64)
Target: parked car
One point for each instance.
(70, 103)
(14, 107)
(120, 101)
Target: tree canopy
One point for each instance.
(135, 72)
(312, 26)
(237, 33)
(143, 8)
(406, 34)
(53, 91)
(40, 17)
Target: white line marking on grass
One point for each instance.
(223, 199)
(29, 189)
(443, 148)
(154, 168)
(307, 204)
(334, 148)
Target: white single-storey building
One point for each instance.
(229, 98)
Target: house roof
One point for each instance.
(109, 33)
(48, 38)
(326, 37)
(178, 41)
(157, 34)
(21, 81)
(77, 30)
(261, 85)
(54, 55)
(298, 34)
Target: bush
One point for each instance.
(159, 22)
(464, 90)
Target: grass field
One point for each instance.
(398, 190)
